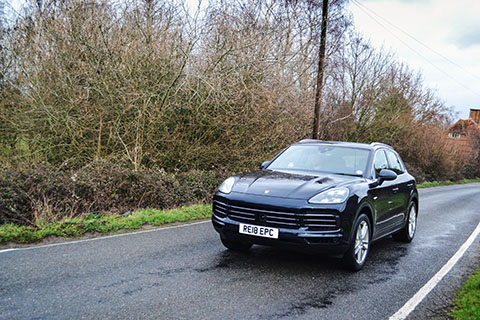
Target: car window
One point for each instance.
(395, 164)
(312, 159)
(380, 162)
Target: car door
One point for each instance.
(380, 195)
(400, 189)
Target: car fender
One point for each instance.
(413, 197)
(364, 203)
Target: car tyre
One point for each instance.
(407, 233)
(235, 245)
(356, 255)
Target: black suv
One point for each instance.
(333, 197)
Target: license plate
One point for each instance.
(258, 231)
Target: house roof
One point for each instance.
(462, 126)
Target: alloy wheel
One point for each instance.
(362, 240)
(412, 222)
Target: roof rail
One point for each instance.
(318, 141)
(373, 144)
(310, 140)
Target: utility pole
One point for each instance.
(321, 62)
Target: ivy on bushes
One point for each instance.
(48, 194)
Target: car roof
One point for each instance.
(371, 146)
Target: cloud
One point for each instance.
(466, 37)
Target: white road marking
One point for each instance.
(101, 238)
(411, 304)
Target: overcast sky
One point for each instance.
(451, 29)
(440, 38)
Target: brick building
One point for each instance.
(465, 133)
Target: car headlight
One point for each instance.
(332, 196)
(227, 185)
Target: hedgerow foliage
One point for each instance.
(48, 194)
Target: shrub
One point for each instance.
(48, 194)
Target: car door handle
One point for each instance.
(395, 189)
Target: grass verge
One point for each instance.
(445, 183)
(102, 223)
(467, 302)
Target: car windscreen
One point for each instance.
(316, 159)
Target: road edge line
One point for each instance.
(102, 237)
(414, 301)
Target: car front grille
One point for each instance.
(314, 220)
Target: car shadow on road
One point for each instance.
(383, 259)
(275, 259)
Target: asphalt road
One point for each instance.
(185, 273)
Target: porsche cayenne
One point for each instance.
(332, 197)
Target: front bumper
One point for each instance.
(333, 240)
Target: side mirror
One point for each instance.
(264, 164)
(384, 175)
(387, 175)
